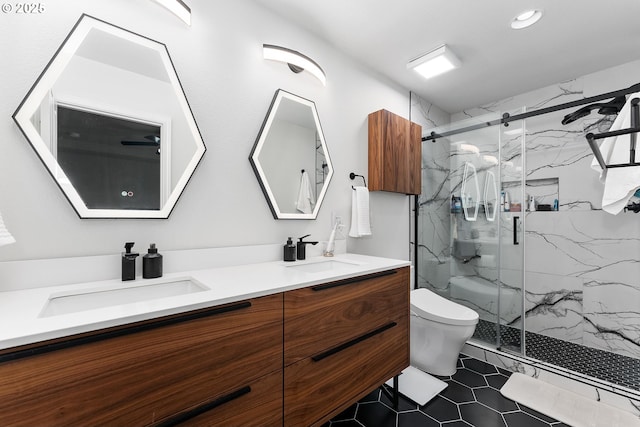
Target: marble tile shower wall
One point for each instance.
(582, 270)
(434, 245)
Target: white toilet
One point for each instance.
(439, 329)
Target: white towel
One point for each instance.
(306, 199)
(360, 223)
(5, 237)
(619, 183)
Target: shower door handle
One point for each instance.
(516, 221)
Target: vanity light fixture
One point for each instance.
(435, 62)
(297, 61)
(179, 8)
(526, 19)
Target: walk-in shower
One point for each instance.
(508, 224)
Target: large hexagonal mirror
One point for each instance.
(290, 158)
(110, 121)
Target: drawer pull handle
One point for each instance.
(353, 280)
(127, 330)
(353, 342)
(180, 418)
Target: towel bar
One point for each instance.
(633, 130)
(353, 176)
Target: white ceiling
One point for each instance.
(573, 38)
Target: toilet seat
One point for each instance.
(432, 306)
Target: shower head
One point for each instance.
(607, 108)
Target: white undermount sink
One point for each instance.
(106, 296)
(324, 265)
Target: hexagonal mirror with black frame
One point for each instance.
(111, 123)
(290, 158)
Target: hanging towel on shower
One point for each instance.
(360, 222)
(306, 199)
(619, 183)
(5, 237)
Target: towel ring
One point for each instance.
(353, 176)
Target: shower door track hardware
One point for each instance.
(631, 131)
(506, 117)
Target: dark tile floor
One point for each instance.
(471, 399)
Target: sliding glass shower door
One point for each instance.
(470, 225)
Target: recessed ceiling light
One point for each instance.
(526, 19)
(435, 62)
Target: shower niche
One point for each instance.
(541, 195)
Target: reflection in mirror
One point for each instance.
(290, 158)
(490, 196)
(470, 192)
(110, 121)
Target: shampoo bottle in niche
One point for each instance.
(289, 251)
(152, 263)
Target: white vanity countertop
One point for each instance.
(23, 323)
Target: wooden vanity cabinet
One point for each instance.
(342, 340)
(217, 366)
(395, 153)
(295, 359)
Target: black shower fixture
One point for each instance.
(605, 108)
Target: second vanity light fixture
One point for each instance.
(297, 61)
(179, 8)
(435, 62)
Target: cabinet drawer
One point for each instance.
(258, 404)
(142, 373)
(319, 387)
(323, 316)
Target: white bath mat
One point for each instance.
(563, 405)
(418, 386)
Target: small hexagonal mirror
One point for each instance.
(110, 121)
(290, 158)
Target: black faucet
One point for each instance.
(301, 247)
(129, 262)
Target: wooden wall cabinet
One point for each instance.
(395, 154)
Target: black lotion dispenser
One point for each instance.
(289, 251)
(152, 263)
(129, 262)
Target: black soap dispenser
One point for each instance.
(129, 262)
(152, 263)
(289, 250)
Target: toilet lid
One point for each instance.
(432, 306)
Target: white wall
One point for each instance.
(229, 87)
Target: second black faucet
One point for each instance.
(301, 247)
